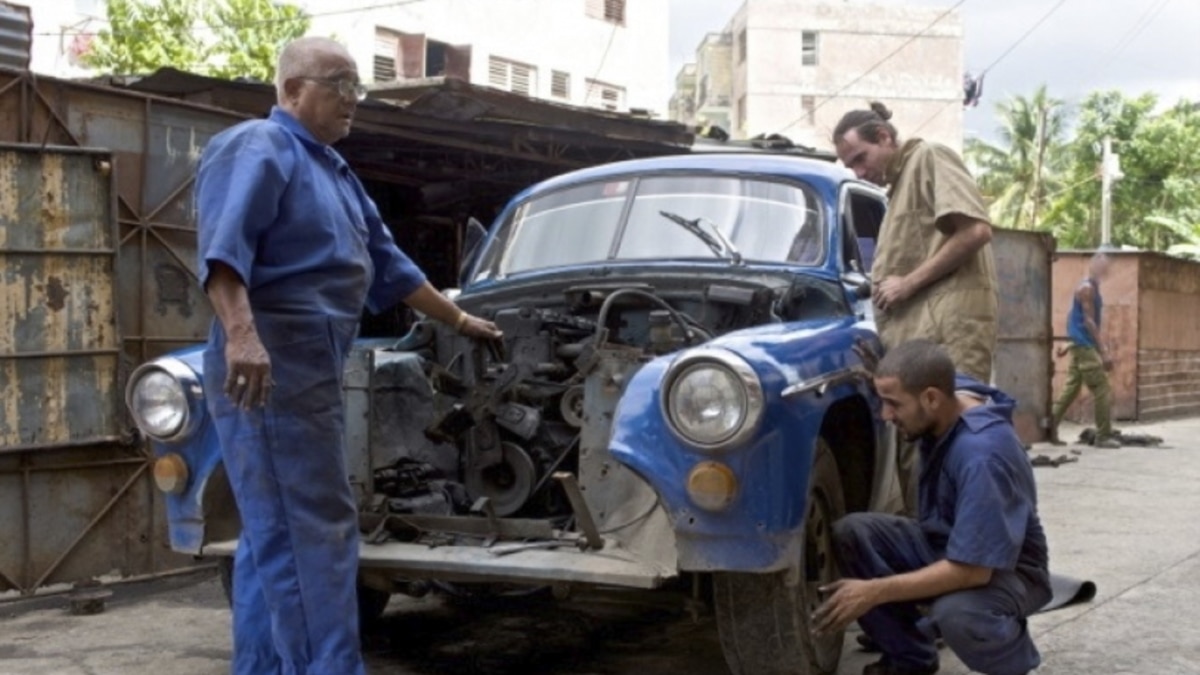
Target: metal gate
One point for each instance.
(83, 303)
(1023, 366)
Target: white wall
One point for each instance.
(546, 34)
(921, 83)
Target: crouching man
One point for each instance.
(974, 564)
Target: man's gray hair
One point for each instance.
(301, 57)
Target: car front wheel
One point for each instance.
(763, 619)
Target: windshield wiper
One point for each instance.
(720, 244)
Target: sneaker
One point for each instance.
(885, 667)
(1108, 442)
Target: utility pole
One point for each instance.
(1110, 170)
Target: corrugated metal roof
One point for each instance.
(16, 35)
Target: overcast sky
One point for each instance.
(1136, 46)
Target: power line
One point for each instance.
(1036, 25)
(1147, 17)
(245, 24)
(872, 69)
(603, 57)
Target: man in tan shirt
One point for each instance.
(933, 273)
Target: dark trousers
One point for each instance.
(984, 626)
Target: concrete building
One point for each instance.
(797, 67)
(608, 54)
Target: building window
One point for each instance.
(604, 96)
(808, 104)
(612, 11)
(387, 46)
(741, 46)
(702, 97)
(512, 76)
(741, 112)
(808, 41)
(560, 84)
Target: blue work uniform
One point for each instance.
(978, 506)
(287, 215)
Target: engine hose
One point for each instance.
(602, 317)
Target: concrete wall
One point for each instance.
(546, 34)
(922, 83)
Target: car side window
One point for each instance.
(864, 215)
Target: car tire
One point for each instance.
(371, 601)
(763, 621)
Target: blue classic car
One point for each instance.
(682, 394)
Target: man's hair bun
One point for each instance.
(881, 110)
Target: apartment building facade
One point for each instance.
(797, 67)
(607, 54)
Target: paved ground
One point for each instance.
(1125, 518)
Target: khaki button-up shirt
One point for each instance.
(929, 181)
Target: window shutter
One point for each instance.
(387, 45)
(412, 55)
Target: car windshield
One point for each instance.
(663, 218)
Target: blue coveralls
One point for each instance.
(285, 212)
(978, 506)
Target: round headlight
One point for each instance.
(159, 404)
(713, 399)
(165, 398)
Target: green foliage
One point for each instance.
(250, 34)
(222, 38)
(1021, 172)
(1155, 206)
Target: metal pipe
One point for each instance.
(97, 440)
(99, 464)
(51, 354)
(59, 251)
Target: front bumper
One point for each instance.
(610, 566)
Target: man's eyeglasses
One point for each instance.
(345, 88)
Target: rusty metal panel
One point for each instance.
(1023, 365)
(59, 346)
(16, 35)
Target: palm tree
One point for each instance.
(1021, 172)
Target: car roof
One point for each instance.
(733, 162)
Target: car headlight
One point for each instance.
(165, 399)
(712, 399)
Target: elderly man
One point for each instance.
(291, 250)
(933, 271)
(974, 564)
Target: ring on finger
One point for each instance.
(240, 381)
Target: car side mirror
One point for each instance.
(859, 283)
(472, 245)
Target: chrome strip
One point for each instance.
(822, 383)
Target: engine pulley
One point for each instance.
(506, 478)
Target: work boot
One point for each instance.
(1052, 437)
(885, 667)
(1108, 442)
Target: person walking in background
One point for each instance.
(1090, 361)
